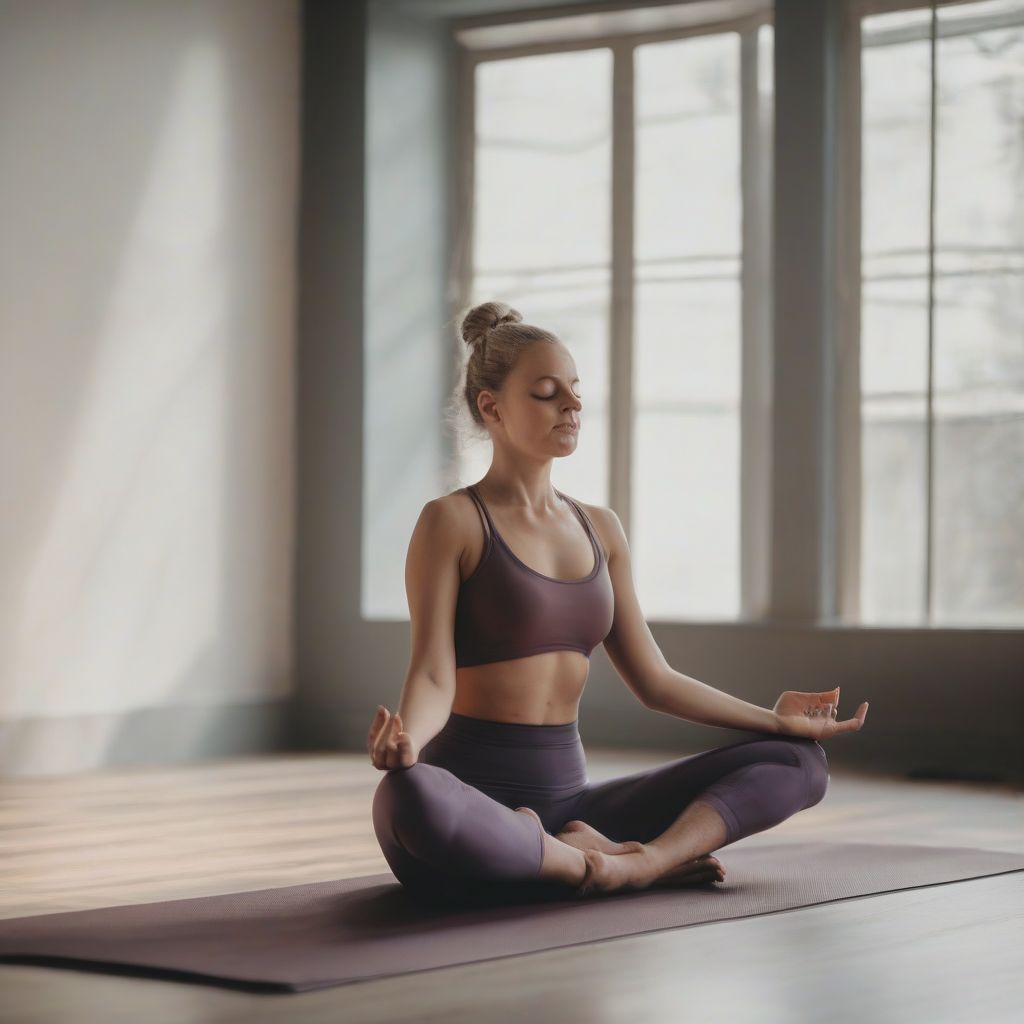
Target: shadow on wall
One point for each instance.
(148, 399)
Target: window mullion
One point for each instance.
(803, 322)
(755, 365)
(620, 387)
(929, 412)
(848, 424)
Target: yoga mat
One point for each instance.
(322, 934)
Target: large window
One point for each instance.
(619, 190)
(942, 314)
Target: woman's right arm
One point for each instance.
(432, 588)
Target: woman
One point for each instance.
(511, 585)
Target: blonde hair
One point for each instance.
(494, 335)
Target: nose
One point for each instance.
(574, 403)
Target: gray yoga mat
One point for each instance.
(321, 934)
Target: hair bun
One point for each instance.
(486, 317)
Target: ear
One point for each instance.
(488, 405)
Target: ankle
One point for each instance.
(662, 859)
(562, 863)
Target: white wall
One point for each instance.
(148, 178)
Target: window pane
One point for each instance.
(683, 566)
(979, 317)
(895, 110)
(687, 327)
(894, 461)
(978, 325)
(542, 233)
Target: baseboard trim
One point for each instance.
(142, 736)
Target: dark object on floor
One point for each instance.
(322, 934)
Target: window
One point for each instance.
(619, 189)
(542, 227)
(942, 314)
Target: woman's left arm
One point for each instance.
(685, 697)
(813, 715)
(637, 658)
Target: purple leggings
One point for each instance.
(448, 828)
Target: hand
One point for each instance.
(388, 744)
(815, 714)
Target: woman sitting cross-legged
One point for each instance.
(511, 585)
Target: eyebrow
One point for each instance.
(549, 376)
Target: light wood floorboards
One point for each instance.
(944, 953)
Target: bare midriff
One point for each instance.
(541, 689)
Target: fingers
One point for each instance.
(829, 703)
(380, 740)
(393, 753)
(852, 724)
(375, 732)
(391, 759)
(390, 746)
(824, 726)
(403, 744)
(371, 736)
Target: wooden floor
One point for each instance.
(945, 953)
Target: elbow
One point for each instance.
(444, 681)
(651, 699)
(653, 694)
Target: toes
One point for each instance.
(574, 826)
(701, 869)
(713, 862)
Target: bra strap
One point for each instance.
(587, 524)
(472, 492)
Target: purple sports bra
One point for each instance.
(507, 610)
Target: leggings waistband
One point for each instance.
(539, 759)
(511, 734)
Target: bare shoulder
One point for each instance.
(456, 502)
(456, 510)
(608, 526)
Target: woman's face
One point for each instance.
(539, 406)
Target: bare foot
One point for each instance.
(640, 868)
(693, 872)
(585, 837)
(580, 835)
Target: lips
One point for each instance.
(570, 428)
